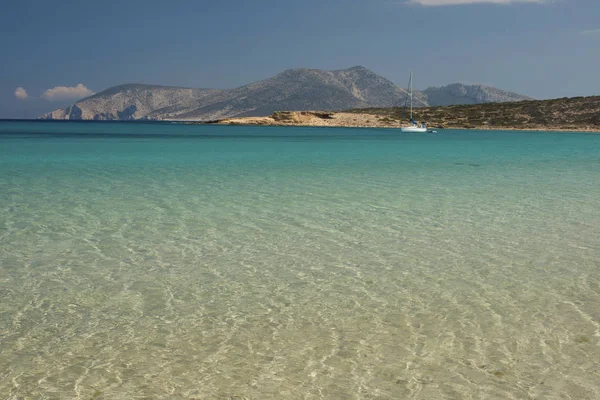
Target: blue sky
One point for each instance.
(544, 49)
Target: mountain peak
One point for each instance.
(358, 68)
(298, 70)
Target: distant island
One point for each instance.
(293, 90)
(353, 97)
(565, 114)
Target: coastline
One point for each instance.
(366, 120)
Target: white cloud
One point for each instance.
(591, 32)
(461, 2)
(67, 92)
(21, 93)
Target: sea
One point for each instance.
(174, 261)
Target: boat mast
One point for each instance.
(410, 91)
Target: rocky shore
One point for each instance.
(314, 118)
(579, 114)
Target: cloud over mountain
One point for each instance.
(67, 92)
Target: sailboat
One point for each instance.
(414, 126)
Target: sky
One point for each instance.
(54, 53)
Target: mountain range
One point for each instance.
(294, 89)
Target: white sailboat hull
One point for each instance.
(414, 129)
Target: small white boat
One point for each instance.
(414, 127)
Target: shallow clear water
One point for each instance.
(209, 262)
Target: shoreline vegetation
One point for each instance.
(577, 114)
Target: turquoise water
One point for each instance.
(211, 262)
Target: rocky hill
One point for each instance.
(295, 89)
(134, 101)
(458, 93)
(568, 114)
(301, 89)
